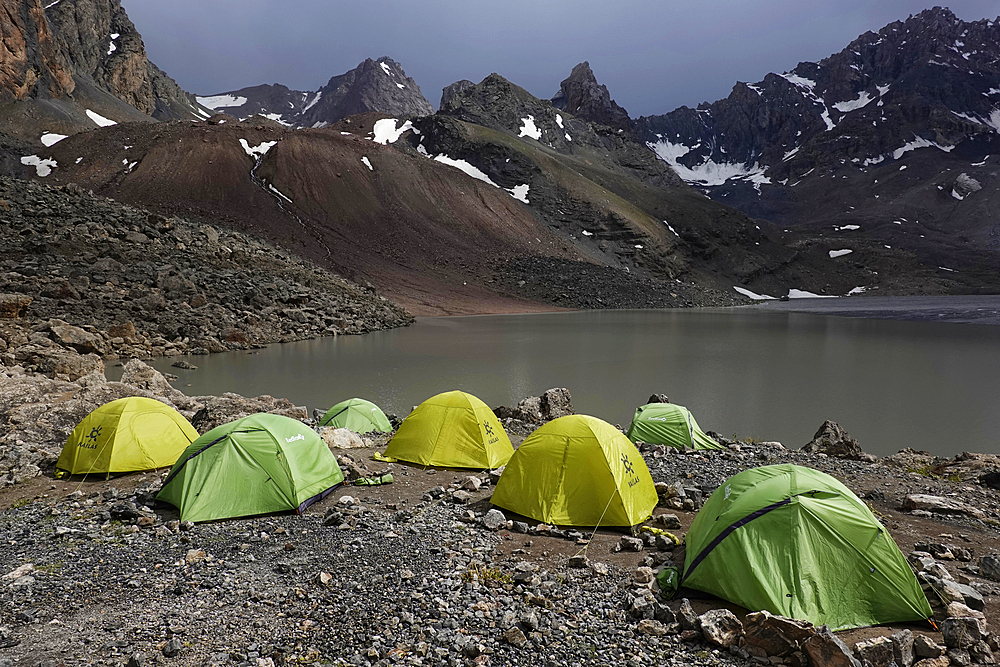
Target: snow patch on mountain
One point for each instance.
(50, 138)
(386, 132)
(100, 120)
(43, 167)
(528, 128)
(863, 100)
(257, 151)
(708, 172)
(468, 168)
(840, 253)
(221, 101)
(919, 142)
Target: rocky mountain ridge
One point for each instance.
(889, 146)
(373, 86)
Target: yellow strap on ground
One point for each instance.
(382, 457)
(658, 531)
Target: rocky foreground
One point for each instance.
(423, 572)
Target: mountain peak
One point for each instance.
(581, 95)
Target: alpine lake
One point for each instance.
(743, 372)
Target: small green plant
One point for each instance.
(486, 576)
(20, 503)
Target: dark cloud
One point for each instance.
(653, 55)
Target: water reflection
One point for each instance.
(767, 375)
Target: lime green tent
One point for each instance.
(577, 471)
(668, 424)
(256, 465)
(357, 414)
(796, 542)
(453, 430)
(133, 433)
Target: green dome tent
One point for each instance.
(577, 471)
(357, 414)
(133, 433)
(668, 424)
(796, 542)
(256, 465)
(452, 430)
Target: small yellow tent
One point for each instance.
(577, 471)
(133, 433)
(453, 430)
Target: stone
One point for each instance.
(471, 483)
(989, 566)
(667, 520)
(643, 575)
(342, 438)
(876, 651)
(578, 561)
(925, 647)
(775, 635)
(631, 543)
(902, 647)
(825, 649)
(173, 648)
(941, 661)
(959, 657)
(461, 497)
(686, 617)
(494, 519)
(960, 632)
(136, 660)
(981, 653)
(940, 504)
(194, 556)
(721, 627)
(832, 440)
(651, 627)
(959, 610)
(952, 591)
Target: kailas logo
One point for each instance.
(491, 437)
(729, 490)
(295, 437)
(90, 440)
(656, 419)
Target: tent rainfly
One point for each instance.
(796, 542)
(256, 465)
(357, 414)
(133, 433)
(577, 471)
(452, 430)
(668, 424)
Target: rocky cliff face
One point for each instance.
(31, 62)
(100, 42)
(581, 95)
(373, 86)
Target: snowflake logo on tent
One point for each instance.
(94, 434)
(489, 430)
(627, 464)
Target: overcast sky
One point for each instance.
(653, 55)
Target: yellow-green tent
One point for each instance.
(133, 433)
(577, 471)
(453, 430)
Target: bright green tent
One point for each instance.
(577, 471)
(796, 542)
(357, 414)
(453, 430)
(133, 433)
(668, 424)
(256, 465)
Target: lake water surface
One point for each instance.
(765, 375)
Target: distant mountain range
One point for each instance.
(874, 169)
(374, 85)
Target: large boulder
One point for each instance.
(721, 627)
(825, 649)
(768, 635)
(833, 440)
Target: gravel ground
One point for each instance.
(403, 574)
